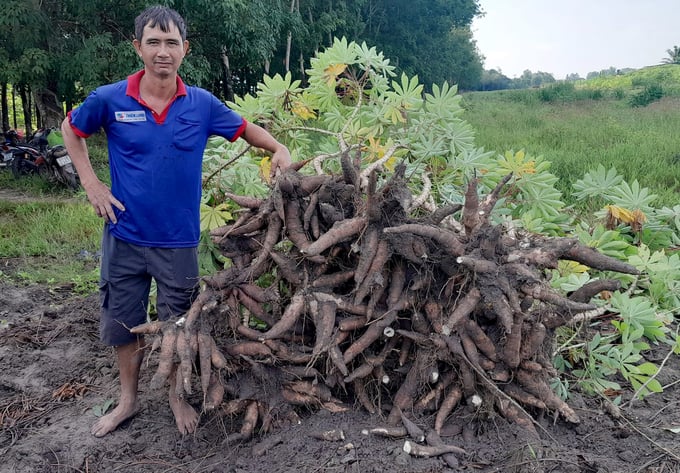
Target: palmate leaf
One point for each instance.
(321, 96)
(444, 102)
(405, 96)
(671, 216)
(371, 59)
(278, 88)
(632, 196)
(327, 66)
(597, 182)
(250, 107)
(214, 217)
(570, 282)
(640, 314)
(475, 158)
(461, 136)
(342, 52)
(408, 92)
(431, 142)
(332, 72)
(302, 110)
(265, 169)
(334, 119)
(273, 93)
(646, 261)
(608, 242)
(518, 163)
(547, 200)
(532, 221)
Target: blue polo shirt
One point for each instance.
(155, 159)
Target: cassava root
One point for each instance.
(370, 306)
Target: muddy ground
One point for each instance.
(54, 375)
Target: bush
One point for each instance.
(618, 93)
(567, 92)
(649, 94)
(561, 91)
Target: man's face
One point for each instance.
(161, 52)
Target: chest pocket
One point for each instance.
(187, 133)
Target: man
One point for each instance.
(157, 129)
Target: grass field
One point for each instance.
(642, 143)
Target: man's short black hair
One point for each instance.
(160, 16)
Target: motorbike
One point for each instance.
(21, 158)
(57, 167)
(6, 156)
(8, 148)
(51, 162)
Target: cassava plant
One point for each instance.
(641, 315)
(395, 263)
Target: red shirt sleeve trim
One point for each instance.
(240, 131)
(75, 129)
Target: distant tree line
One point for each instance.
(54, 52)
(495, 80)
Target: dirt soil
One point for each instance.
(55, 374)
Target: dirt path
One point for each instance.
(55, 374)
(17, 196)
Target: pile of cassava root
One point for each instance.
(343, 293)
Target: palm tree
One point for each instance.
(673, 56)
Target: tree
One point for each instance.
(232, 42)
(673, 56)
(494, 80)
(57, 51)
(430, 38)
(532, 79)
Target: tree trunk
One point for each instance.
(25, 95)
(51, 109)
(289, 40)
(227, 82)
(14, 106)
(4, 107)
(38, 116)
(302, 70)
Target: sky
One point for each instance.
(575, 36)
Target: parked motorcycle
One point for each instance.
(18, 156)
(8, 148)
(41, 155)
(57, 167)
(6, 156)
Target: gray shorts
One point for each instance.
(126, 272)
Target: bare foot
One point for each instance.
(113, 419)
(186, 416)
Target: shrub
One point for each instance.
(618, 93)
(561, 91)
(567, 92)
(649, 94)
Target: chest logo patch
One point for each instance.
(131, 116)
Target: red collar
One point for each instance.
(133, 91)
(134, 80)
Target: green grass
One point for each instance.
(48, 234)
(642, 143)
(45, 240)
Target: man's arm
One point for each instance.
(98, 193)
(259, 137)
